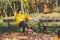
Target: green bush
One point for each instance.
(2, 23)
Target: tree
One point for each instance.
(26, 5)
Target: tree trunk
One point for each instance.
(22, 6)
(5, 12)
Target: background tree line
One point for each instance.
(8, 7)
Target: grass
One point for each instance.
(49, 15)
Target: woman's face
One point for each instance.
(20, 11)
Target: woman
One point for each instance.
(21, 20)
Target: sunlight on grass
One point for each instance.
(41, 15)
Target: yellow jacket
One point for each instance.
(21, 17)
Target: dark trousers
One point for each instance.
(24, 25)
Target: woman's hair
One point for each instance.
(18, 10)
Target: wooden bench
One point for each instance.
(42, 20)
(8, 22)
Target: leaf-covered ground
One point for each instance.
(35, 36)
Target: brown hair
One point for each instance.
(18, 10)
